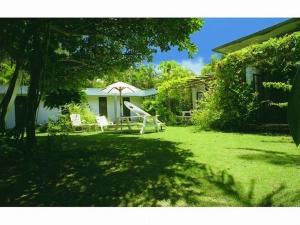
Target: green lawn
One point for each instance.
(178, 167)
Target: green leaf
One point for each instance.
(294, 109)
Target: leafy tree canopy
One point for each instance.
(61, 97)
(81, 49)
(104, 46)
(141, 76)
(6, 70)
(210, 68)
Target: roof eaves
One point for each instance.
(221, 49)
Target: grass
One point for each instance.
(178, 167)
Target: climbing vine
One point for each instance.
(234, 101)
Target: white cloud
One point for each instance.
(195, 65)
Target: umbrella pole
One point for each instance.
(120, 110)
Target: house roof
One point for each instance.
(92, 92)
(280, 29)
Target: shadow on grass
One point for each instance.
(242, 132)
(283, 141)
(244, 195)
(102, 170)
(273, 157)
(112, 170)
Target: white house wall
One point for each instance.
(93, 102)
(44, 114)
(111, 105)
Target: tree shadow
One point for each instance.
(273, 157)
(292, 198)
(113, 170)
(102, 170)
(244, 195)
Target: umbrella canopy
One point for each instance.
(122, 87)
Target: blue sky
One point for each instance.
(215, 32)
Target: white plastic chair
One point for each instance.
(104, 123)
(76, 121)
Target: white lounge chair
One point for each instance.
(146, 117)
(103, 123)
(77, 123)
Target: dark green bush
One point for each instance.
(62, 125)
(42, 128)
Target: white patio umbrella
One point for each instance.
(120, 88)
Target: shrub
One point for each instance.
(207, 114)
(42, 128)
(83, 109)
(150, 105)
(63, 123)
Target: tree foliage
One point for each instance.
(210, 68)
(60, 97)
(6, 70)
(172, 97)
(141, 76)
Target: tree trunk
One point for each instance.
(8, 95)
(33, 100)
(13, 81)
(37, 75)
